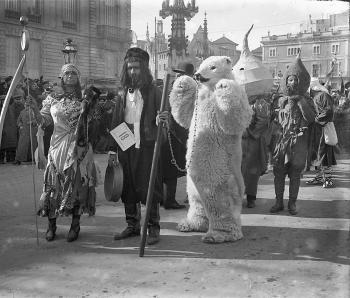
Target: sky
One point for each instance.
(233, 18)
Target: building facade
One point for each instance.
(220, 47)
(100, 30)
(199, 48)
(158, 50)
(324, 46)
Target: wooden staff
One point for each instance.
(25, 47)
(154, 168)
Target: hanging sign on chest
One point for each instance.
(123, 136)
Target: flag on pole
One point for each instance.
(16, 79)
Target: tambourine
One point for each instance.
(113, 182)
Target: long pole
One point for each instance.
(154, 168)
(33, 164)
(25, 47)
(155, 50)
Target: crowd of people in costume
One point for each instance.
(286, 131)
(16, 141)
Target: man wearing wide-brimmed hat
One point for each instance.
(184, 68)
(174, 150)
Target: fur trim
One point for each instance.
(233, 110)
(182, 99)
(215, 183)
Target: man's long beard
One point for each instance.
(292, 90)
(135, 81)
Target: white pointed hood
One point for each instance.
(251, 73)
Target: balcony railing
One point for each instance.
(34, 18)
(12, 14)
(69, 25)
(16, 14)
(114, 33)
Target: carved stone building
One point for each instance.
(100, 29)
(324, 46)
(199, 48)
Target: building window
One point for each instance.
(34, 11)
(12, 53)
(12, 9)
(164, 67)
(316, 49)
(316, 70)
(70, 14)
(34, 59)
(335, 48)
(272, 52)
(293, 51)
(109, 12)
(110, 64)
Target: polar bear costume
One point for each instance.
(216, 112)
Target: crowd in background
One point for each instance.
(20, 128)
(19, 123)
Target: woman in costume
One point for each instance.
(70, 175)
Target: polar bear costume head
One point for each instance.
(213, 69)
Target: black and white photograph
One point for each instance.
(174, 148)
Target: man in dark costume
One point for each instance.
(255, 142)
(138, 108)
(296, 113)
(174, 150)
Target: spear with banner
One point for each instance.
(15, 81)
(154, 168)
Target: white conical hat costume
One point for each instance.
(315, 85)
(250, 73)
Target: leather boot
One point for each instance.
(170, 194)
(153, 234)
(251, 201)
(74, 229)
(51, 230)
(133, 217)
(294, 185)
(292, 209)
(153, 225)
(278, 206)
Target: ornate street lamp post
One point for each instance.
(178, 40)
(69, 51)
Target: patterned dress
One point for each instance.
(70, 175)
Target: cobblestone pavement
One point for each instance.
(280, 256)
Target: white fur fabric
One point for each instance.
(217, 120)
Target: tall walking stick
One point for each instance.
(154, 168)
(25, 47)
(16, 79)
